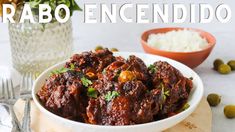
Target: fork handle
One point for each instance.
(15, 123)
(26, 118)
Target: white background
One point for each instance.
(126, 37)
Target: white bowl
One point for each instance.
(193, 101)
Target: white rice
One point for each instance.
(178, 41)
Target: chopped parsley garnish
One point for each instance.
(72, 66)
(161, 106)
(147, 91)
(63, 70)
(167, 93)
(164, 93)
(104, 72)
(152, 69)
(191, 78)
(110, 95)
(91, 92)
(86, 82)
(59, 71)
(185, 107)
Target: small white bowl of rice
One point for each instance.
(186, 45)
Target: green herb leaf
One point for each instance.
(110, 95)
(72, 66)
(59, 71)
(35, 3)
(152, 69)
(167, 93)
(185, 107)
(91, 92)
(104, 72)
(147, 91)
(164, 93)
(72, 2)
(86, 82)
(63, 69)
(75, 6)
(164, 97)
(161, 106)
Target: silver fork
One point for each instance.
(25, 93)
(8, 99)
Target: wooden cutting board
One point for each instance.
(199, 121)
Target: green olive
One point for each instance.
(114, 49)
(232, 64)
(224, 69)
(217, 63)
(213, 99)
(229, 111)
(99, 47)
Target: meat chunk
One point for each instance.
(133, 66)
(115, 112)
(103, 86)
(134, 89)
(174, 86)
(63, 103)
(63, 94)
(91, 62)
(135, 105)
(137, 65)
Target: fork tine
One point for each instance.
(7, 89)
(3, 88)
(2, 91)
(27, 81)
(23, 83)
(12, 89)
(31, 81)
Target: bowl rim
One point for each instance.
(50, 114)
(210, 45)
